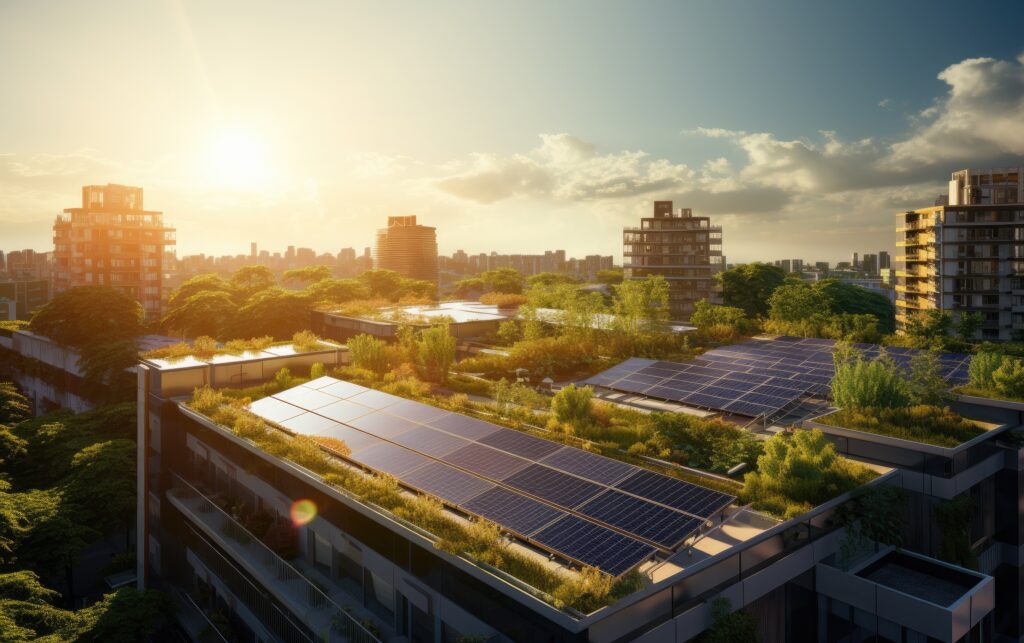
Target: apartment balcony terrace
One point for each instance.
(319, 610)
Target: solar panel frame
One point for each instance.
(485, 461)
(590, 466)
(447, 483)
(660, 525)
(591, 544)
(671, 492)
(432, 442)
(520, 444)
(512, 510)
(556, 487)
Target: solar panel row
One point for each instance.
(753, 378)
(532, 487)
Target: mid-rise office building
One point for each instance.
(966, 255)
(112, 241)
(407, 248)
(684, 249)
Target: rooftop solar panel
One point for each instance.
(594, 545)
(553, 486)
(588, 465)
(307, 398)
(487, 462)
(274, 410)
(467, 427)
(415, 411)
(391, 458)
(430, 441)
(520, 444)
(344, 390)
(343, 411)
(446, 483)
(321, 382)
(664, 527)
(515, 512)
(694, 500)
(374, 399)
(308, 424)
(353, 439)
(382, 425)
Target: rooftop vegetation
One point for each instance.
(995, 375)
(480, 541)
(205, 348)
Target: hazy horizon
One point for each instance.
(513, 128)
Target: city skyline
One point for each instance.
(578, 147)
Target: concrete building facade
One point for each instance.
(112, 241)
(684, 249)
(966, 255)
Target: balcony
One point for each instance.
(318, 610)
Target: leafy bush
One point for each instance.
(798, 472)
(859, 383)
(368, 352)
(573, 405)
(305, 341)
(317, 370)
(503, 300)
(982, 367)
(1009, 378)
(927, 385)
(921, 423)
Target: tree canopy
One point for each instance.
(748, 286)
(89, 316)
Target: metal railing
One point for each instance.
(221, 522)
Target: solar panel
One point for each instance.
(553, 486)
(415, 411)
(520, 444)
(382, 425)
(344, 390)
(307, 398)
(430, 441)
(588, 465)
(446, 483)
(353, 439)
(515, 512)
(374, 399)
(594, 545)
(342, 411)
(391, 458)
(321, 382)
(662, 526)
(469, 428)
(308, 424)
(697, 501)
(274, 410)
(487, 462)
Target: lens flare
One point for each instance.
(302, 512)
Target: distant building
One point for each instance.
(962, 257)
(112, 241)
(869, 265)
(407, 248)
(884, 260)
(27, 295)
(684, 249)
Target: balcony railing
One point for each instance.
(245, 546)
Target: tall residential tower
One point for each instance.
(684, 249)
(112, 241)
(407, 248)
(966, 253)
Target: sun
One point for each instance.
(237, 159)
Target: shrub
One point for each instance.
(927, 385)
(982, 367)
(368, 352)
(503, 300)
(572, 405)
(283, 379)
(921, 423)
(317, 370)
(1009, 378)
(861, 384)
(305, 341)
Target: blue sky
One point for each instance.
(512, 126)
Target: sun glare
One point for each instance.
(237, 159)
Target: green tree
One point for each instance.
(982, 367)
(369, 352)
(101, 487)
(208, 312)
(968, 325)
(749, 286)
(509, 332)
(573, 405)
(435, 352)
(641, 305)
(208, 282)
(386, 284)
(337, 291)
(1009, 378)
(929, 329)
(852, 299)
(104, 367)
(306, 275)
(55, 538)
(797, 302)
(551, 279)
(728, 626)
(125, 616)
(249, 280)
(89, 316)
(926, 383)
(706, 315)
(14, 407)
(611, 277)
(276, 312)
(860, 383)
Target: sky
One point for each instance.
(801, 127)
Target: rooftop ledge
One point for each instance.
(276, 350)
(988, 430)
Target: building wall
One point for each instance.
(407, 248)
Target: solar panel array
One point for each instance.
(754, 378)
(578, 505)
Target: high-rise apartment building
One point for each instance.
(884, 260)
(967, 255)
(407, 248)
(684, 249)
(112, 241)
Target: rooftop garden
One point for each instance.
(876, 397)
(995, 375)
(479, 541)
(205, 348)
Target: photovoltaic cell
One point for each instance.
(274, 410)
(344, 390)
(382, 425)
(430, 441)
(321, 382)
(697, 501)
(517, 513)
(588, 465)
(594, 545)
(308, 424)
(391, 458)
(307, 398)
(520, 444)
(553, 486)
(446, 483)
(415, 411)
(353, 439)
(487, 462)
(342, 411)
(374, 399)
(466, 427)
(649, 521)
